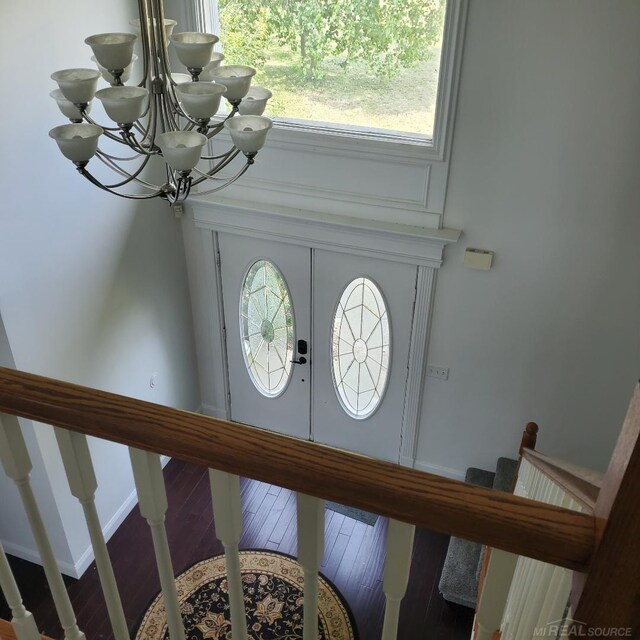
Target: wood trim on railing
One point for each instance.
(608, 597)
(525, 527)
(580, 483)
(7, 632)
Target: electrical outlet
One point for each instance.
(438, 372)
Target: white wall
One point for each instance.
(93, 288)
(544, 172)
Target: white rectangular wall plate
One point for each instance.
(478, 259)
(435, 371)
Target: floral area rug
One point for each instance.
(273, 595)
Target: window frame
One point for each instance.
(203, 15)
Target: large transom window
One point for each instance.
(371, 64)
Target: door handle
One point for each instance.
(301, 360)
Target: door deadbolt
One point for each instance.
(302, 351)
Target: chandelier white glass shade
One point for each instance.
(167, 115)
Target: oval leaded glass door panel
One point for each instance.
(360, 348)
(266, 328)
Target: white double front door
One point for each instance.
(317, 342)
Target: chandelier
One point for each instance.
(167, 115)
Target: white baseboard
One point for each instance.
(447, 472)
(76, 569)
(82, 564)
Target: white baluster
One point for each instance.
(560, 583)
(152, 501)
(227, 513)
(538, 573)
(23, 623)
(78, 466)
(493, 598)
(310, 549)
(556, 597)
(17, 465)
(538, 582)
(396, 573)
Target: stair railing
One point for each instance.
(546, 532)
(538, 592)
(521, 598)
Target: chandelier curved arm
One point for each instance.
(207, 175)
(222, 156)
(138, 146)
(147, 133)
(222, 164)
(107, 130)
(226, 183)
(118, 169)
(125, 137)
(110, 156)
(215, 129)
(131, 196)
(170, 107)
(144, 21)
(128, 176)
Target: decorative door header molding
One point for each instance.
(383, 240)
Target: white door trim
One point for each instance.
(389, 241)
(372, 238)
(418, 350)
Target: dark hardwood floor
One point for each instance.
(353, 561)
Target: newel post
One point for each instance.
(529, 437)
(608, 596)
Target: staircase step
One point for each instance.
(458, 582)
(480, 477)
(505, 474)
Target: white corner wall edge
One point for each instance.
(31, 555)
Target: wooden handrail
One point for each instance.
(580, 483)
(525, 527)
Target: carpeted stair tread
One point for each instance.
(461, 570)
(506, 470)
(505, 473)
(458, 583)
(480, 477)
